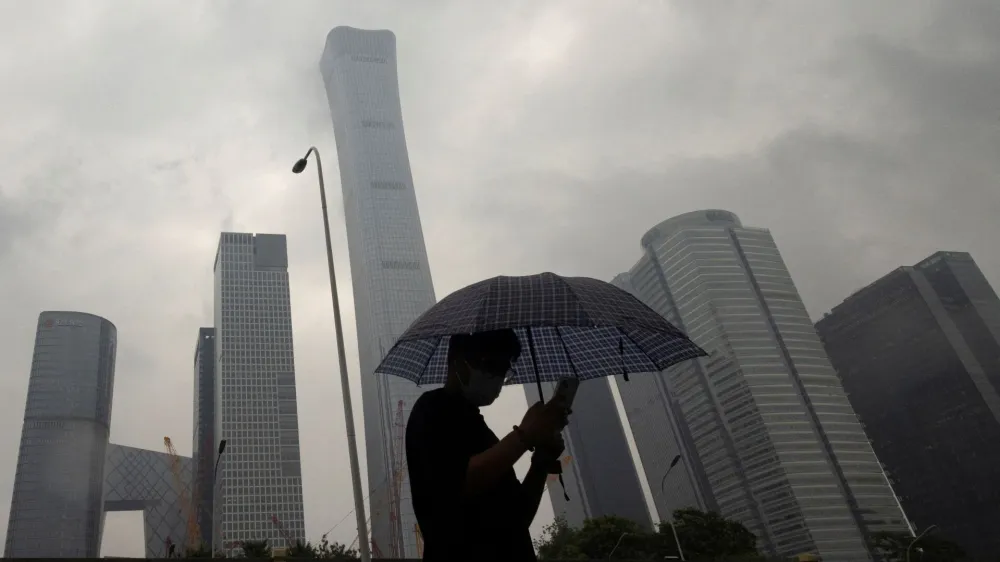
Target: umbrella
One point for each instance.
(571, 326)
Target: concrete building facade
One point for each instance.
(389, 268)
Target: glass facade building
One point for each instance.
(661, 436)
(919, 354)
(389, 269)
(143, 480)
(598, 469)
(260, 474)
(777, 444)
(204, 445)
(56, 508)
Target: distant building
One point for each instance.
(778, 445)
(68, 475)
(256, 412)
(598, 469)
(204, 443)
(661, 435)
(55, 510)
(142, 480)
(919, 354)
(389, 268)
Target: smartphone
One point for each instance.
(566, 390)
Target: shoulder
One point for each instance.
(430, 400)
(428, 406)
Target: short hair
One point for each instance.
(476, 345)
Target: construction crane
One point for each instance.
(289, 542)
(193, 532)
(420, 540)
(396, 546)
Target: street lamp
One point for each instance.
(909, 547)
(673, 529)
(610, 554)
(222, 448)
(345, 384)
(673, 463)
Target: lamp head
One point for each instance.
(299, 166)
(674, 462)
(222, 446)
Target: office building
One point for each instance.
(56, 508)
(143, 480)
(598, 470)
(776, 438)
(389, 269)
(205, 446)
(919, 354)
(68, 475)
(260, 474)
(672, 466)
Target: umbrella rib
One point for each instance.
(637, 346)
(428, 362)
(569, 358)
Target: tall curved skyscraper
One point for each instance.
(392, 280)
(57, 507)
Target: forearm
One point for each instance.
(532, 489)
(486, 468)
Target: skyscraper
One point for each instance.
(56, 509)
(260, 474)
(203, 440)
(389, 269)
(670, 460)
(778, 442)
(598, 469)
(919, 354)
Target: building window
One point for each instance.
(401, 264)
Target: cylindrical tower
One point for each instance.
(57, 507)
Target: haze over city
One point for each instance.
(542, 136)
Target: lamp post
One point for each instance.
(215, 472)
(909, 547)
(673, 529)
(345, 384)
(610, 554)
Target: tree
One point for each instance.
(335, 550)
(891, 547)
(255, 549)
(703, 536)
(301, 550)
(202, 551)
(709, 536)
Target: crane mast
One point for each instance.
(193, 532)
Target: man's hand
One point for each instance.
(543, 420)
(547, 454)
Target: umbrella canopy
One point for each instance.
(568, 326)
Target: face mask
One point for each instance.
(482, 388)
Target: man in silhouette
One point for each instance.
(466, 497)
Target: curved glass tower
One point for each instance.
(766, 430)
(392, 281)
(57, 507)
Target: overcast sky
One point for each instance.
(543, 135)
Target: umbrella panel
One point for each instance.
(561, 352)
